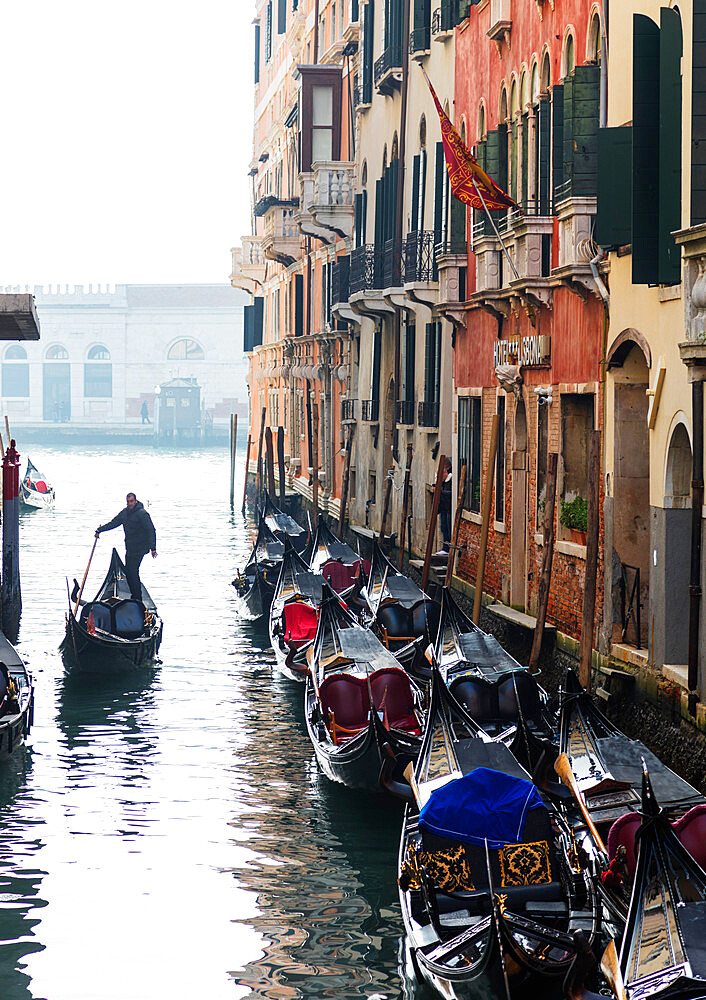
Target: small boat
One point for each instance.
(112, 633)
(492, 897)
(294, 613)
(35, 491)
(281, 525)
(16, 699)
(256, 584)
(361, 707)
(337, 562)
(402, 612)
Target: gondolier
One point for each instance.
(140, 538)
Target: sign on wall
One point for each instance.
(528, 352)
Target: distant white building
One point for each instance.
(103, 351)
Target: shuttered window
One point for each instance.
(414, 220)
(361, 211)
(421, 30)
(543, 156)
(557, 140)
(268, 32)
(409, 360)
(645, 150)
(500, 464)
(368, 41)
(698, 116)
(469, 439)
(354, 10)
(281, 16)
(670, 53)
(614, 216)
(298, 305)
(432, 363)
(394, 23)
(257, 53)
(440, 175)
(375, 370)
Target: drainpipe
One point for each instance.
(400, 208)
(697, 501)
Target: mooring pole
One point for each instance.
(432, 521)
(258, 474)
(346, 480)
(11, 593)
(405, 503)
(280, 462)
(545, 577)
(697, 501)
(247, 472)
(453, 548)
(485, 526)
(315, 461)
(233, 447)
(589, 585)
(270, 465)
(385, 507)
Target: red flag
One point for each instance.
(466, 176)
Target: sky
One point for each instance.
(126, 138)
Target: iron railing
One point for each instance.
(436, 21)
(371, 409)
(348, 409)
(419, 40)
(404, 412)
(392, 264)
(340, 280)
(391, 59)
(428, 414)
(363, 268)
(420, 258)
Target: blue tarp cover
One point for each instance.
(482, 805)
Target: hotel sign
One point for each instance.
(528, 352)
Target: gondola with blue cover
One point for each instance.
(112, 633)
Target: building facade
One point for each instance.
(104, 351)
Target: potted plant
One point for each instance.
(574, 516)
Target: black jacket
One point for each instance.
(140, 535)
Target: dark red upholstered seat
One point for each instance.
(344, 698)
(300, 621)
(340, 576)
(40, 486)
(392, 695)
(690, 829)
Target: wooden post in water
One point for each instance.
(485, 526)
(405, 503)
(432, 521)
(258, 474)
(589, 585)
(385, 508)
(233, 449)
(346, 480)
(270, 464)
(545, 578)
(11, 592)
(453, 548)
(280, 461)
(315, 461)
(247, 472)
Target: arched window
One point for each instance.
(185, 350)
(423, 133)
(503, 104)
(546, 77)
(514, 141)
(534, 85)
(481, 123)
(569, 55)
(364, 174)
(98, 373)
(463, 131)
(593, 53)
(677, 480)
(395, 148)
(57, 353)
(15, 372)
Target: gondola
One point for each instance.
(35, 491)
(492, 898)
(402, 612)
(112, 633)
(281, 524)
(16, 699)
(338, 563)
(256, 584)
(294, 613)
(361, 707)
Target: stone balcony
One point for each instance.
(527, 239)
(576, 216)
(326, 208)
(249, 264)
(693, 349)
(281, 241)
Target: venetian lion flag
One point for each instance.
(469, 182)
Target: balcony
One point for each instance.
(404, 412)
(447, 16)
(363, 269)
(428, 414)
(392, 268)
(282, 239)
(333, 206)
(500, 22)
(304, 215)
(388, 70)
(249, 264)
(576, 217)
(371, 410)
(420, 258)
(348, 410)
(419, 42)
(340, 281)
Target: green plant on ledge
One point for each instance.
(574, 513)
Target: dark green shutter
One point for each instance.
(354, 10)
(368, 41)
(428, 362)
(248, 328)
(421, 30)
(543, 155)
(257, 53)
(567, 156)
(525, 158)
(298, 305)
(513, 160)
(585, 109)
(414, 221)
(281, 16)
(364, 219)
(437, 361)
(670, 52)
(258, 316)
(375, 387)
(698, 115)
(439, 175)
(379, 215)
(458, 225)
(557, 137)
(614, 215)
(393, 179)
(495, 155)
(645, 150)
(358, 220)
(410, 349)
(423, 187)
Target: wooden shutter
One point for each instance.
(543, 155)
(513, 161)
(281, 16)
(258, 317)
(422, 188)
(457, 225)
(393, 180)
(410, 360)
(525, 158)
(585, 104)
(358, 209)
(298, 305)
(379, 215)
(368, 30)
(375, 379)
(645, 150)
(614, 185)
(364, 226)
(354, 10)
(670, 53)
(414, 221)
(257, 53)
(437, 361)
(428, 362)
(698, 114)
(567, 142)
(557, 137)
(248, 328)
(268, 32)
(439, 175)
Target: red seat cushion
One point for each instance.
(340, 576)
(346, 696)
(392, 695)
(40, 486)
(300, 622)
(690, 829)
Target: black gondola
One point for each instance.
(294, 613)
(361, 707)
(16, 699)
(491, 912)
(256, 584)
(35, 492)
(402, 612)
(281, 524)
(338, 563)
(112, 633)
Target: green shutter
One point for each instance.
(392, 193)
(379, 215)
(567, 154)
(614, 215)
(428, 356)
(423, 188)
(375, 381)
(698, 115)
(543, 157)
(525, 158)
(358, 220)
(585, 107)
(557, 137)
(458, 225)
(645, 150)
(257, 53)
(437, 362)
(248, 328)
(409, 380)
(281, 16)
(439, 175)
(513, 160)
(414, 220)
(298, 305)
(670, 52)
(368, 41)
(258, 317)
(495, 145)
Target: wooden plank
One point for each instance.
(315, 461)
(405, 504)
(547, 558)
(233, 449)
(485, 526)
(270, 464)
(432, 521)
(247, 469)
(280, 460)
(589, 587)
(346, 480)
(457, 527)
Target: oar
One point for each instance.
(563, 769)
(85, 575)
(610, 967)
(409, 775)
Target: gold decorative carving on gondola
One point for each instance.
(446, 870)
(525, 864)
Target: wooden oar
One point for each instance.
(85, 575)
(409, 775)
(610, 967)
(562, 767)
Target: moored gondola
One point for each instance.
(16, 699)
(361, 707)
(112, 633)
(281, 525)
(491, 896)
(338, 563)
(35, 492)
(256, 584)
(294, 613)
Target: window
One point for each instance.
(372, 487)
(408, 360)
(268, 32)
(99, 353)
(57, 353)
(569, 57)
(257, 53)
(542, 461)
(98, 373)
(500, 464)
(469, 439)
(320, 126)
(432, 363)
(576, 422)
(15, 372)
(186, 350)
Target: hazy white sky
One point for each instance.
(126, 138)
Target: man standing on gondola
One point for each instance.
(140, 538)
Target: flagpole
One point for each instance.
(495, 228)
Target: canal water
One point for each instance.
(170, 836)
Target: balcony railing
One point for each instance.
(428, 414)
(420, 258)
(404, 412)
(340, 280)
(371, 410)
(389, 61)
(363, 270)
(348, 409)
(392, 264)
(419, 40)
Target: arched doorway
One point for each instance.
(57, 384)
(518, 527)
(669, 589)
